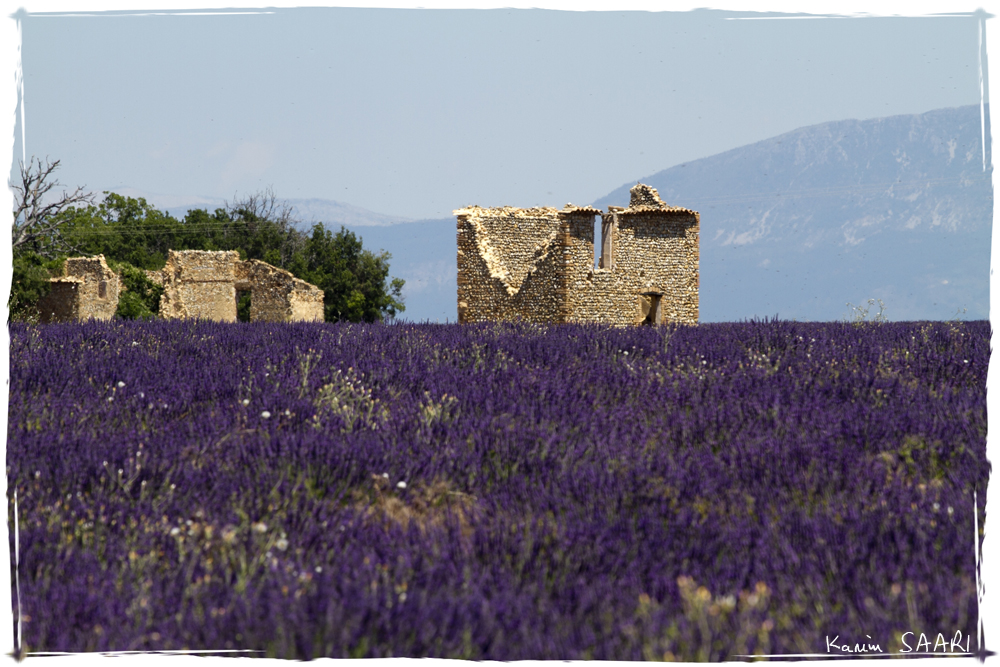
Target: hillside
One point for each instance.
(895, 208)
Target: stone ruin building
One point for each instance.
(86, 289)
(538, 264)
(196, 283)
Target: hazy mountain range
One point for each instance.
(896, 208)
(308, 211)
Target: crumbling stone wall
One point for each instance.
(499, 250)
(199, 283)
(510, 262)
(538, 264)
(88, 289)
(196, 283)
(655, 249)
(154, 277)
(276, 295)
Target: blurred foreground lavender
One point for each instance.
(496, 492)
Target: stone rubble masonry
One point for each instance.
(196, 283)
(88, 289)
(277, 295)
(199, 283)
(154, 277)
(537, 264)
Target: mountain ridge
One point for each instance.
(897, 208)
(308, 210)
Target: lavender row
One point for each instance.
(496, 492)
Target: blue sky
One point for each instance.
(418, 112)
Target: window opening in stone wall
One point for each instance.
(102, 289)
(597, 242)
(607, 229)
(243, 298)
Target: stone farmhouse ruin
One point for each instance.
(538, 264)
(196, 284)
(87, 289)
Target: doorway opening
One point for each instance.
(652, 308)
(243, 305)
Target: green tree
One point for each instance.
(124, 229)
(265, 229)
(29, 283)
(37, 225)
(140, 296)
(353, 279)
(38, 241)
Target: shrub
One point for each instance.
(29, 283)
(140, 297)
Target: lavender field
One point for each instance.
(496, 492)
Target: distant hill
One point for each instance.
(896, 208)
(334, 213)
(327, 211)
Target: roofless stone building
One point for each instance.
(538, 265)
(196, 283)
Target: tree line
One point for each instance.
(134, 237)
